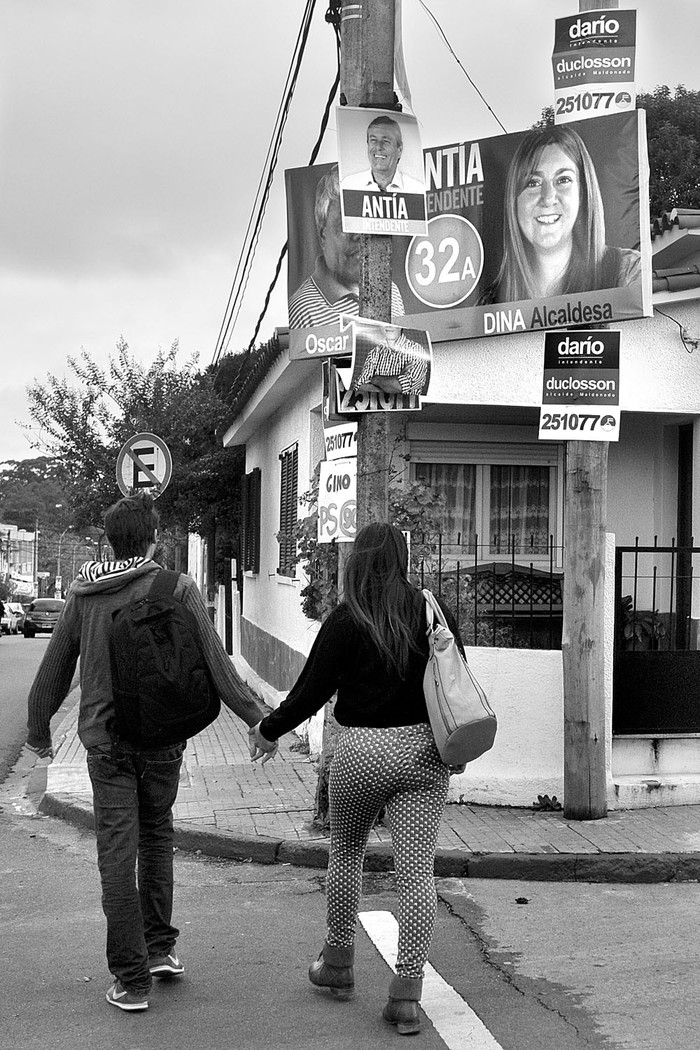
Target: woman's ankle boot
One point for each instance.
(334, 970)
(402, 1007)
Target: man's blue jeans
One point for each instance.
(133, 795)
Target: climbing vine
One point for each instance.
(415, 508)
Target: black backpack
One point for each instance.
(161, 685)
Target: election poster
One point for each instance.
(536, 230)
(581, 386)
(382, 179)
(540, 229)
(337, 501)
(323, 263)
(593, 64)
(389, 370)
(340, 441)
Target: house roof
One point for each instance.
(264, 358)
(675, 237)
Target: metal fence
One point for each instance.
(654, 589)
(513, 600)
(656, 664)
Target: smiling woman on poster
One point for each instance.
(554, 224)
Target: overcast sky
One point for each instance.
(133, 134)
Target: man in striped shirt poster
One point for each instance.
(333, 287)
(395, 365)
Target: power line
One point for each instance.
(454, 55)
(252, 234)
(314, 154)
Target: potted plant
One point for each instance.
(642, 629)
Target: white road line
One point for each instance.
(454, 1020)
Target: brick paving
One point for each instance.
(225, 799)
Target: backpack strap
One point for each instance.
(164, 584)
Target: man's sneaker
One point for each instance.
(125, 1000)
(165, 965)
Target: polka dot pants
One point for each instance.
(399, 768)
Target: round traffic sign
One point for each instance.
(144, 464)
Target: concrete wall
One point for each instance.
(525, 690)
(657, 373)
(272, 602)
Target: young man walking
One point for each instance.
(133, 789)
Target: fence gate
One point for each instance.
(656, 662)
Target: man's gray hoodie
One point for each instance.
(83, 630)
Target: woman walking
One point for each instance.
(372, 650)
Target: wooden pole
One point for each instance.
(367, 79)
(585, 518)
(583, 630)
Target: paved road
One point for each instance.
(514, 966)
(248, 933)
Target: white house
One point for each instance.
(475, 440)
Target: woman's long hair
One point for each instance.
(584, 272)
(378, 594)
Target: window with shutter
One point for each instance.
(250, 539)
(289, 464)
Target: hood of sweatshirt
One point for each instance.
(104, 577)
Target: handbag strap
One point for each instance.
(433, 612)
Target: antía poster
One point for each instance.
(531, 231)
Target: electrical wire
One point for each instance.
(250, 241)
(252, 234)
(240, 281)
(683, 332)
(314, 154)
(454, 55)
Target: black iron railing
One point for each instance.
(513, 600)
(653, 596)
(656, 664)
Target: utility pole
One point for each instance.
(367, 79)
(585, 521)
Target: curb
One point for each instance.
(449, 863)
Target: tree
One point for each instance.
(673, 135)
(673, 138)
(34, 489)
(87, 420)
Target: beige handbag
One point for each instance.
(463, 723)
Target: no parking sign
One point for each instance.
(144, 464)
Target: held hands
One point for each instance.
(259, 746)
(41, 752)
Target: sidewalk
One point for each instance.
(230, 807)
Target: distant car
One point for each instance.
(13, 618)
(42, 615)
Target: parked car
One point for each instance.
(13, 618)
(42, 615)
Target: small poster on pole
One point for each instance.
(337, 501)
(381, 170)
(581, 387)
(593, 64)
